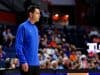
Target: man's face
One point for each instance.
(36, 15)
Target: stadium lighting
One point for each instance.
(56, 15)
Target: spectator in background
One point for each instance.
(53, 43)
(54, 64)
(2, 57)
(4, 33)
(73, 56)
(66, 63)
(83, 62)
(8, 37)
(43, 41)
(14, 63)
(9, 34)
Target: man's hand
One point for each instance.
(25, 67)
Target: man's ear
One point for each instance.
(30, 14)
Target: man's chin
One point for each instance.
(37, 20)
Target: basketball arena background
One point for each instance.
(69, 36)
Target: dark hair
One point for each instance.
(31, 8)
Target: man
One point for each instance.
(27, 42)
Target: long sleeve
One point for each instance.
(19, 44)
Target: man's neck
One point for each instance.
(31, 21)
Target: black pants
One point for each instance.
(33, 70)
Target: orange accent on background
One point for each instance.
(77, 74)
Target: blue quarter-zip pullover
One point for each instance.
(27, 42)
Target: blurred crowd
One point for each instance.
(66, 48)
(60, 48)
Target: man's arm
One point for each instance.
(19, 44)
